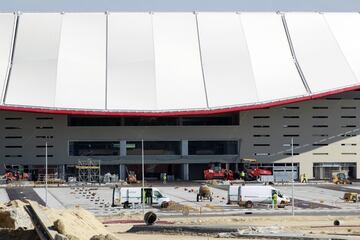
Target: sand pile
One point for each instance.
(14, 216)
(70, 224)
(76, 223)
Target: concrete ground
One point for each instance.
(308, 198)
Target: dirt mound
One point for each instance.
(9, 234)
(14, 216)
(76, 222)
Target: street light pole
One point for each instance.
(143, 175)
(46, 174)
(292, 176)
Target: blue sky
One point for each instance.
(177, 5)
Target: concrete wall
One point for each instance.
(342, 142)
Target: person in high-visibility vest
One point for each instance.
(164, 178)
(304, 179)
(242, 175)
(274, 199)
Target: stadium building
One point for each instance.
(198, 88)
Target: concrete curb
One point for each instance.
(231, 231)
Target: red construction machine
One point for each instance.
(252, 169)
(217, 172)
(15, 173)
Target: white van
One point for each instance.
(129, 196)
(249, 195)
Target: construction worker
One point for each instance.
(242, 175)
(274, 199)
(164, 178)
(304, 179)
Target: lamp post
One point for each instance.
(46, 174)
(292, 176)
(143, 175)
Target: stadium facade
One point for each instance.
(199, 88)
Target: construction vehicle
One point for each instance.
(15, 173)
(217, 172)
(252, 169)
(133, 196)
(351, 197)
(204, 193)
(340, 177)
(250, 195)
(131, 177)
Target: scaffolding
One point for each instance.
(89, 171)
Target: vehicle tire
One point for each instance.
(164, 205)
(197, 197)
(281, 205)
(249, 204)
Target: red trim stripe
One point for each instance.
(176, 113)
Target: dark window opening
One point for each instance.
(44, 118)
(13, 118)
(291, 117)
(320, 117)
(213, 120)
(43, 146)
(320, 107)
(213, 147)
(94, 148)
(154, 147)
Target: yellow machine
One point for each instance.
(340, 177)
(351, 197)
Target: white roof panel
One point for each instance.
(33, 75)
(82, 61)
(346, 30)
(7, 21)
(179, 81)
(131, 65)
(318, 53)
(225, 58)
(276, 76)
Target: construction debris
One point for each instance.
(68, 224)
(13, 216)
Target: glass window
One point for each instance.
(98, 148)
(90, 121)
(151, 121)
(154, 148)
(218, 120)
(213, 120)
(213, 147)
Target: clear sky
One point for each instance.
(177, 5)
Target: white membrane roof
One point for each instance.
(173, 63)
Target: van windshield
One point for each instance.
(157, 194)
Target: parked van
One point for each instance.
(249, 195)
(129, 196)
